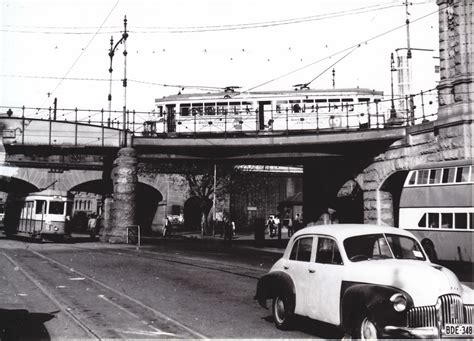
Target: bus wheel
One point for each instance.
(430, 250)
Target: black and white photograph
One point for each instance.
(222, 169)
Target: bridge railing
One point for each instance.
(86, 127)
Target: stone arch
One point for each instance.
(16, 185)
(22, 176)
(147, 196)
(391, 190)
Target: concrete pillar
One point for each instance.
(124, 177)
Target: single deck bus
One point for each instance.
(41, 215)
(436, 204)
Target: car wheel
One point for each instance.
(282, 313)
(365, 329)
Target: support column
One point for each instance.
(124, 177)
(378, 207)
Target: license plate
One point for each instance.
(455, 330)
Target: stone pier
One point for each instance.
(123, 205)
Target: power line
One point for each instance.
(82, 52)
(344, 50)
(211, 28)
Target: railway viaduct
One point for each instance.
(375, 161)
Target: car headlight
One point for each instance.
(399, 302)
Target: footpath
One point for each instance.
(464, 271)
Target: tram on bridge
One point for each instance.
(40, 215)
(437, 206)
(231, 111)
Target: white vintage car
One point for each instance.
(371, 281)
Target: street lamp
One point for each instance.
(124, 81)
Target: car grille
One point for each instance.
(451, 310)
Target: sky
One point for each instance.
(59, 48)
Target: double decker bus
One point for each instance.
(41, 215)
(436, 204)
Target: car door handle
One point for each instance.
(286, 267)
(311, 271)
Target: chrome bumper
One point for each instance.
(420, 332)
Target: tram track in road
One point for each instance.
(118, 315)
(231, 268)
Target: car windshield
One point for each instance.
(382, 246)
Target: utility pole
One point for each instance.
(333, 78)
(55, 108)
(112, 50)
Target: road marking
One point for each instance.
(119, 293)
(147, 333)
(51, 296)
(77, 279)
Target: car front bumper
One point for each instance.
(421, 332)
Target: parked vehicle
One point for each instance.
(371, 281)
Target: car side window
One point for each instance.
(301, 250)
(327, 251)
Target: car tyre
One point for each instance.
(365, 329)
(282, 312)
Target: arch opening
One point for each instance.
(392, 188)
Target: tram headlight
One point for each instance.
(56, 229)
(399, 302)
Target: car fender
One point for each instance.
(372, 299)
(275, 283)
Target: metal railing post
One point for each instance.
(75, 127)
(23, 125)
(102, 125)
(50, 125)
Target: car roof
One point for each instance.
(343, 231)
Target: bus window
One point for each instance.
(412, 180)
(448, 175)
(435, 176)
(433, 220)
(422, 222)
(423, 176)
(471, 221)
(460, 220)
(462, 175)
(40, 207)
(446, 220)
(56, 207)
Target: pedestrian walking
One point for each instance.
(228, 231)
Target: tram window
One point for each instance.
(462, 175)
(472, 173)
(448, 175)
(423, 176)
(422, 222)
(433, 220)
(435, 176)
(412, 180)
(184, 107)
(281, 105)
(295, 105)
(460, 220)
(197, 109)
(56, 207)
(222, 108)
(320, 100)
(347, 100)
(247, 107)
(40, 206)
(334, 100)
(210, 108)
(234, 107)
(471, 221)
(446, 220)
(364, 100)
